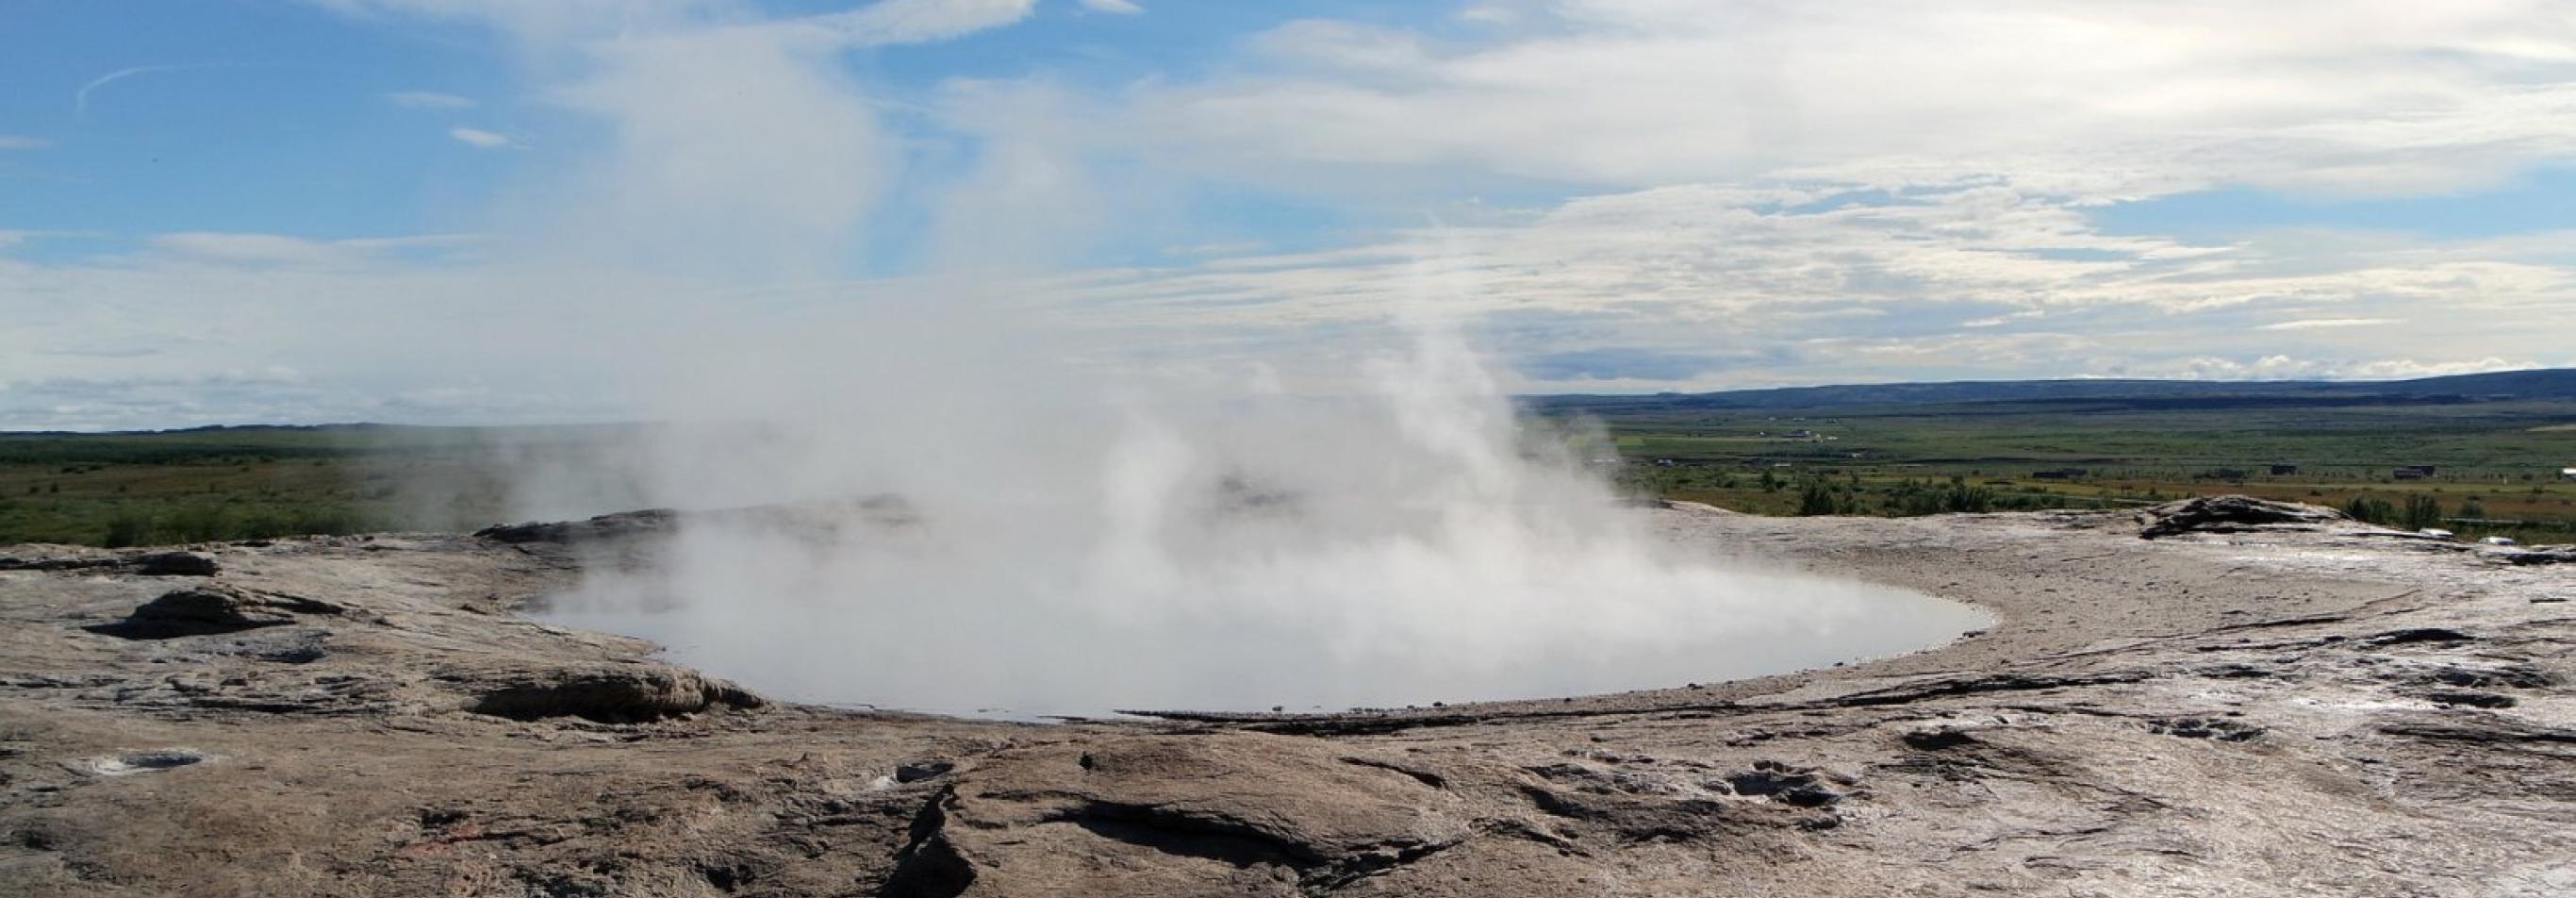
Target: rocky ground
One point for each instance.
(2259, 701)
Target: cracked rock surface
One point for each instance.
(2260, 700)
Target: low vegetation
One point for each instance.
(2494, 464)
(2479, 466)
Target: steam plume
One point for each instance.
(974, 506)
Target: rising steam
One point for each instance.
(959, 500)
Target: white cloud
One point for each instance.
(911, 21)
(480, 139)
(2284, 367)
(1688, 288)
(1973, 282)
(23, 142)
(429, 99)
(1114, 7)
(255, 248)
(2315, 323)
(2101, 100)
(277, 249)
(1792, 194)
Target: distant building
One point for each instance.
(2412, 472)
(2284, 470)
(2567, 473)
(2059, 474)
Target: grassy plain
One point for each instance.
(2496, 464)
(243, 483)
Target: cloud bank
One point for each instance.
(1659, 196)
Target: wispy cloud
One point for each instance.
(1113, 7)
(274, 249)
(80, 98)
(2309, 324)
(23, 142)
(429, 99)
(481, 139)
(887, 22)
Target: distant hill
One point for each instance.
(2553, 383)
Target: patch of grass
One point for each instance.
(2496, 463)
(243, 483)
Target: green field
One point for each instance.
(244, 483)
(2496, 457)
(2496, 463)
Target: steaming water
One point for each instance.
(915, 615)
(1189, 547)
(1112, 496)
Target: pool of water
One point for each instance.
(1075, 653)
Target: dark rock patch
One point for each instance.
(2533, 555)
(2419, 635)
(916, 771)
(604, 527)
(1939, 738)
(134, 762)
(212, 609)
(56, 563)
(2219, 729)
(2232, 514)
(176, 564)
(1793, 786)
(613, 695)
(2513, 675)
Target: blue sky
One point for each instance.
(1618, 194)
(286, 118)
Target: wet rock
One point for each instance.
(2231, 514)
(605, 695)
(2419, 634)
(134, 762)
(2205, 728)
(916, 771)
(175, 564)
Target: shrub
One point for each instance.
(1817, 499)
(2371, 509)
(2421, 511)
(127, 529)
